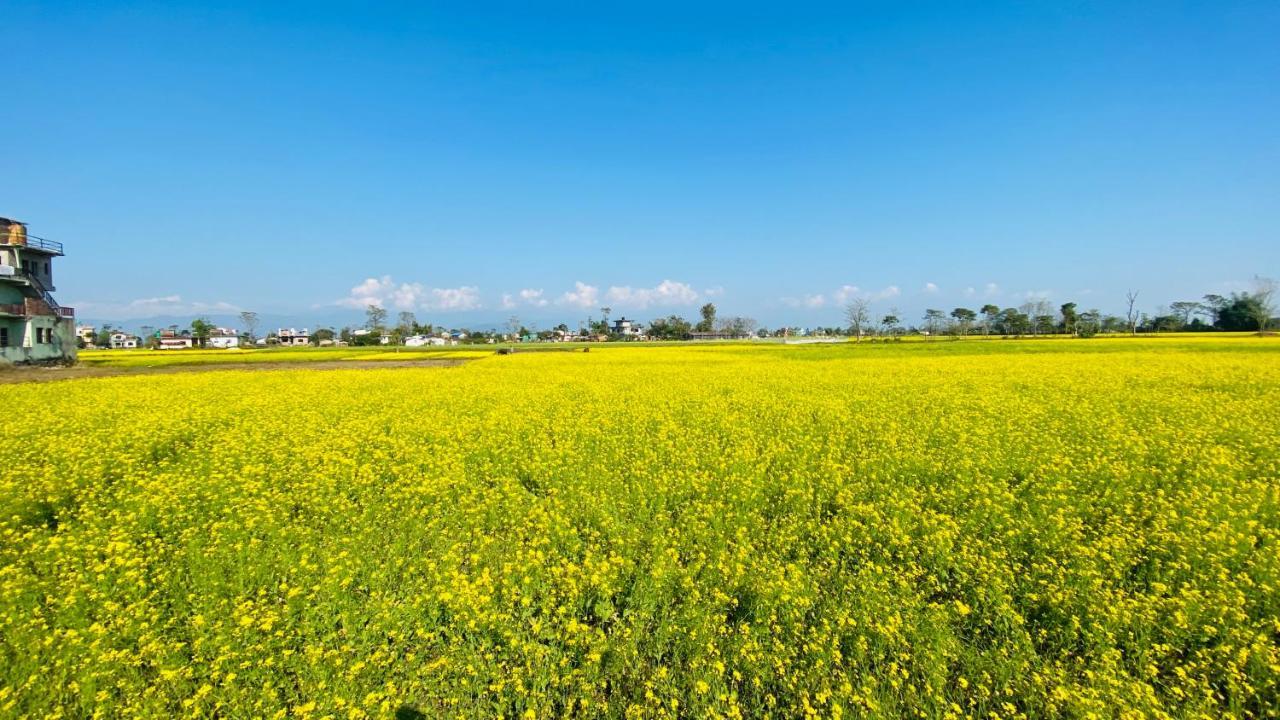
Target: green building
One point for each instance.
(33, 327)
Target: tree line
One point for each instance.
(1239, 311)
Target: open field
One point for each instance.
(950, 529)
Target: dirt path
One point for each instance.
(76, 372)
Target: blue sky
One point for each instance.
(475, 162)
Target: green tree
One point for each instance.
(201, 328)
(890, 323)
(964, 318)
(1069, 317)
(672, 327)
(708, 322)
(990, 315)
(1183, 310)
(933, 320)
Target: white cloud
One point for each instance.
(528, 297)
(930, 288)
(386, 293)
(845, 294)
(715, 291)
(970, 292)
(1037, 294)
(582, 296)
(841, 296)
(991, 290)
(890, 292)
(533, 297)
(454, 299)
(146, 307)
(667, 292)
(808, 301)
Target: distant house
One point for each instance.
(88, 335)
(170, 340)
(123, 341)
(290, 336)
(625, 327)
(422, 340)
(223, 338)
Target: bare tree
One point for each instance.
(407, 322)
(250, 322)
(858, 313)
(1029, 309)
(375, 317)
(1264, 299)
(1131, 315)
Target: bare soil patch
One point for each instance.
(23, 374)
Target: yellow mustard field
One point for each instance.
(933, 530)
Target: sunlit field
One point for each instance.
(998, 529)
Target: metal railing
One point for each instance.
(31, 241)
(24, 310)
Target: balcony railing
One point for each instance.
(31, 241)
(35, 307)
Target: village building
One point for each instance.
(222, 338)
(171, 340)
(625, 327)
(123, 341)
(292, 337)
(88, 335)
(33, 327)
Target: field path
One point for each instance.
(77, 372)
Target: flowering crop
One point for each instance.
(937, 530)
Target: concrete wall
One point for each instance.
(22, 332)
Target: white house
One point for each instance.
(421, 340)
(625, 327)
(87, 334)
(123, 341)
(223, 338)
(290, 336)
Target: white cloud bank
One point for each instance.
(386, 293)
(166, 305)
(527, 297)
(667, 293)
(841, 296)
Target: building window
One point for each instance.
(4, 337)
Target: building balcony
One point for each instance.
(31, 241)
(35, 306)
